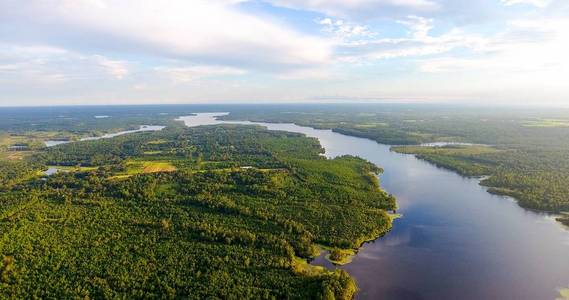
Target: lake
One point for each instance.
(50, 171)
(142, 128)
(454, 241)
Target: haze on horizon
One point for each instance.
(63, 52)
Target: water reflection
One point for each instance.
(50, 171)
(455, 241)
(142, 128)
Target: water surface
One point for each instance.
(142, 128)
(455, 240)
(50, 171)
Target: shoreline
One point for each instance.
(347, 255)
(322, 261)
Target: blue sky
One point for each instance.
(58, 52)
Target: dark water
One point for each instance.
(455, 240)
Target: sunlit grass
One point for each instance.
(452, 150)
(138, 167)
(547, 123)
(564, 294)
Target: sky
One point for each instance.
(76, 52)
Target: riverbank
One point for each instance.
(452, 229)
(341, 257)
(463, 159)
(531, 161)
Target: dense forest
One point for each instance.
(523, 151)
(235, 211)
(208, 212)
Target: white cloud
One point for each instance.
(40, 64)
(418, 26)
(309, 74)
(196, 30)
(192, 73)
(354, 8)
(528, 46)
(343, 30)
(448, 64)
(418, 43)
(512, 66)
(536, 3)
(142, 50)
(116, 68)
(30, 64)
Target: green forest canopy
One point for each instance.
(229, 221)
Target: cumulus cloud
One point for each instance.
(46, 65)
(530, 46)
(359, 8)
(30, 64)
(419, 42)
(344, 30)
(418, 26)
(197, 30)
(238, 49)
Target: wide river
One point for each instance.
(455, 240)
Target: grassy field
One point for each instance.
(135, 167)
(144, 167)
(546, 123)
(452, 150)
(14, 155)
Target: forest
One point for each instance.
(523, 151)
(228, 212)
(236, 211)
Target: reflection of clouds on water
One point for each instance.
(368, 255)
(551, 219)
(402, 238)
(202, 119)
(50, 171)
(547, 219)
(143, 128)
(419, 237)
(456, 241)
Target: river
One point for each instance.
(454, 241)
(142, 128)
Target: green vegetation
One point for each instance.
(465, 160)
(73, 168)
(341, 256)
(564, 219)
(137, 167)
(75, 122)
(206, 212)
(528, 159)
(547, 123)
(233, 211)
(536, 182)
